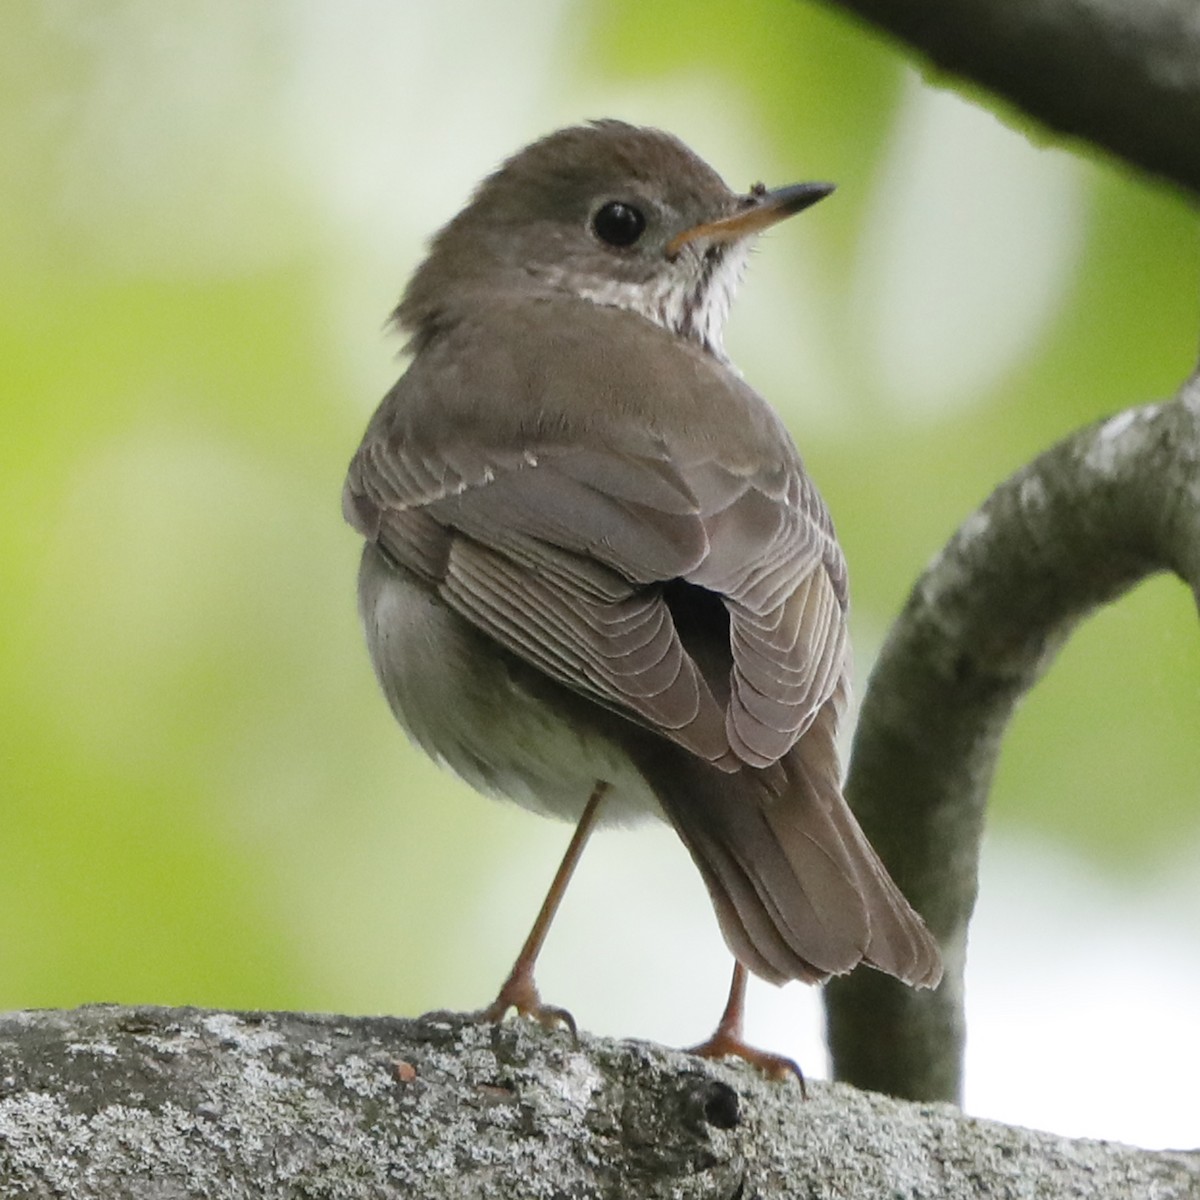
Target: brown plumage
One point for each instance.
(594, 555)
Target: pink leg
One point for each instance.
(727, 1040)
(519, 990)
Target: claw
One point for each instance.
(520, 994)
(774, 1066)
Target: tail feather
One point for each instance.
(799, 892)
(900, 944)
(746, 926)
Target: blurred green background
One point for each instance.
(207, 211)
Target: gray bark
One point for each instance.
(156, 1103)
(1122, 74)
(1077, 527)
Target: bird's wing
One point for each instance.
(516, 545)
(559, 552)
(560, 519)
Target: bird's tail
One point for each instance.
(798, 890)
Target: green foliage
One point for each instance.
(203, 797)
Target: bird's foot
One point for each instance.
(724, 1044)
(520, 993)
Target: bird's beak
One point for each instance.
(760, 210)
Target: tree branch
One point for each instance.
(155, 1103)
(1124, 76)
(1084, 522)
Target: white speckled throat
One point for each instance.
(690, 296)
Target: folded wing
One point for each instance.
(560, 553)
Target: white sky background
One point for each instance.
(1082, 994)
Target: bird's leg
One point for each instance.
(519, 990)
(727, 1040)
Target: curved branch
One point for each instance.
(1124, 76)
(1079, 526)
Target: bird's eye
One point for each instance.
(618, 224)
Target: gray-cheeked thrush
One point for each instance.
(597, 578)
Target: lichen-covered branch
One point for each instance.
(1075, 529)
(150, 1104)
(1122, 75)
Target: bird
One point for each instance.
(597, 578)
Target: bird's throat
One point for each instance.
(692, 304)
